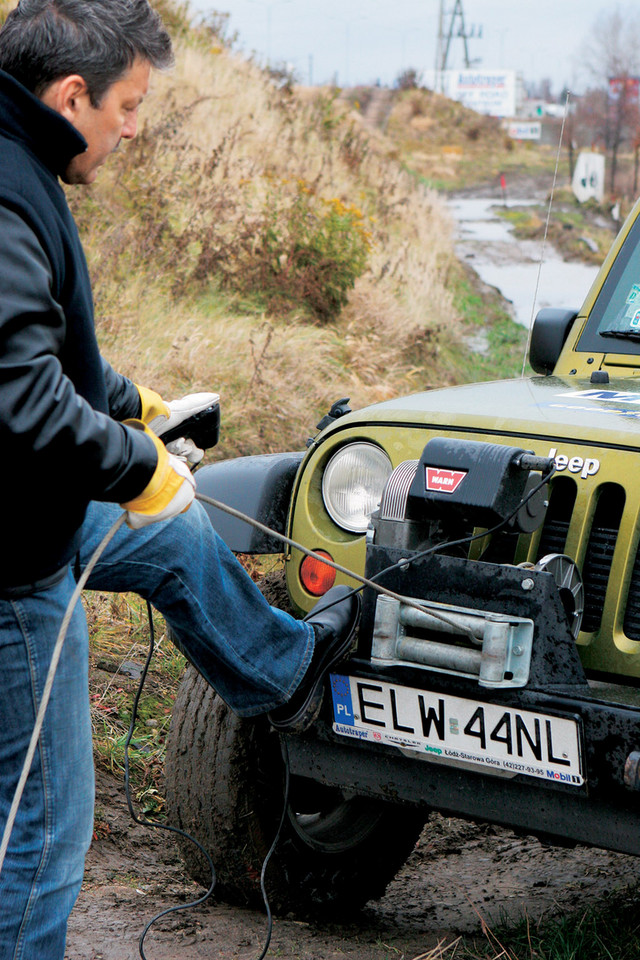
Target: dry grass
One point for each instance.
(453, 147)
(172, 231)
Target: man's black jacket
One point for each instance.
(60, 443)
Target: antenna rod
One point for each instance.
(546, 230)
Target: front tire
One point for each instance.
(225, 779)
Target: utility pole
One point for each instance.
(439, 45)
(451, 25)
(456, 14)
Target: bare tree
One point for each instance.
(611, 59)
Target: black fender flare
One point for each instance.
(259, 487)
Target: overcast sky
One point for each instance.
(361, 41)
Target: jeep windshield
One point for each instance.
(614, 322)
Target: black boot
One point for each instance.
(334, 627)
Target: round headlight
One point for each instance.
(352, 484)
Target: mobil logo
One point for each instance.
(446, 481)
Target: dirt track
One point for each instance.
(458, 873)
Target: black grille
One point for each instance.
(596, 566)
(597, 562)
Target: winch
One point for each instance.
(455, 488)
(457, 485)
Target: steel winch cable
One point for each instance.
(400, 565)
(365, 581)
(75, 597)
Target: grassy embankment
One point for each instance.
(451, 148)
(257, 243)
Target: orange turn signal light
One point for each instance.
(317, 577)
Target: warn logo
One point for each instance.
(446, 481)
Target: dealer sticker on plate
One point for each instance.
(495, 737)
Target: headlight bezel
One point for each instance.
(336, 492)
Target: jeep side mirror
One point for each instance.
(550, 330)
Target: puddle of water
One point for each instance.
(491, 230)
(513, 265)
(561, 284)
(480, 208)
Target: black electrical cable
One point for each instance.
(156, 823)
(271, 851)
(164, 826)
(406, 561)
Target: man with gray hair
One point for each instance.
(79, 450)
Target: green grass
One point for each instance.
(481, 310)
(609, 930)
(119, 632)
(580, 231)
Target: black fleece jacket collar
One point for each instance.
(43, 131)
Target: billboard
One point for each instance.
(486, 91)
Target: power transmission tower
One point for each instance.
(446, 32)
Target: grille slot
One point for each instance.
(632, 613)
(562, 500)
(599, 555)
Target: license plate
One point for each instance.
(436, 726)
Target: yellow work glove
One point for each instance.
(168, 493)
(152, 405)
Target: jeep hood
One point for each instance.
(550, 407)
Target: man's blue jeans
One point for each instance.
(251, 653)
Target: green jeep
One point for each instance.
(497, 676)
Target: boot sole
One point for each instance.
(308, 712)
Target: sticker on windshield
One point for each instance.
(634, 293)
(626, 322)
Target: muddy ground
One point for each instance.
(459, 875)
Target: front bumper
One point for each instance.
(600, 807)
